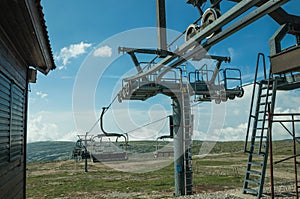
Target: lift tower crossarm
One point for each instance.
(224, 19)
(144, 51)
(136, 62)
(251, 17)
(233, 13)
(266, 8)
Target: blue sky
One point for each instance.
(77, 29)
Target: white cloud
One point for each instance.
(40, 130)
(103, 51)
(232, 53)
(61, 67)
(69, 136)
(60, 126)
(236, 119)
(121, 119)
(51, 126)
(234, 133)
(41, 95)
(72, 51)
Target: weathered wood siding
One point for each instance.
(13, 105)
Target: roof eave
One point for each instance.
(34, 9)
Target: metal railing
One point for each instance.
(283, 119)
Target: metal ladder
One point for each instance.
(258, 145)
(187, 121)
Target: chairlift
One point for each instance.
(78, 150)
(106, 150)
(165, 150)
(208, 85)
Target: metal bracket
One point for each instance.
(275, 46)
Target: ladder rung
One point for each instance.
(256, 163)
(259, 128)
(249, 190)
(265, 95)
(262, 103)
(258, 154)
(265, 87)
(254, 172)
(253, 182)
(261, 120)
(261, 137)
(263, 111)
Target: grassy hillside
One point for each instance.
(223, 169)
(57, 150)
(49, 151)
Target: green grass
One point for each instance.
(224, 169)
(101, 179)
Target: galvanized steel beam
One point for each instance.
(178, 149)
(275, 46)
(233, 13)
(161, 24)
(251, 17)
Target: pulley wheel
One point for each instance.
(209, 16)
(191, 31)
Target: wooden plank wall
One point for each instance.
(13, 112)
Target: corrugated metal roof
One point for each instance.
(24, 30)
(46, 35)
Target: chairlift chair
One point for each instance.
(165, 151)
(106, 150)
(78, 150)
(208, 85)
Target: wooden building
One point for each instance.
(24, 49)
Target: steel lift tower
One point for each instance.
(283, 75)
(165, 74)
